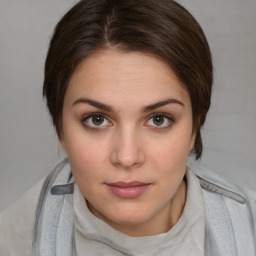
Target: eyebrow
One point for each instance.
(109, 108)
(94, 103)
(161, 104)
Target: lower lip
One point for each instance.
(128, 192)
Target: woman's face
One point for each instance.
(127, 129)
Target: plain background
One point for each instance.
(28, 145)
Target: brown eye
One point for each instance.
(158, 120)
(98, 120)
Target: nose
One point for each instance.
(127, 151)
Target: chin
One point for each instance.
(130, 217)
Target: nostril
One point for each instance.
(125, 160)
(127, 149)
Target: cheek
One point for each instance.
(171, 149)
(83, 148)
(86, 155)
(87, 167)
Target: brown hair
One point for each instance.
(163, 28)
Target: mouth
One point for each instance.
(128, 190)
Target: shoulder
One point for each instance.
(213, 182)
(230, 213)
(16, 223)
(236, 197)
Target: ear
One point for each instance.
(192, 141)
(63, 143)
(194, 134)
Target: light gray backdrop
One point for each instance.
(28, 145)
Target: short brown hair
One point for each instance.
(163, 28)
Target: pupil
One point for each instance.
(158, 120)
(97, 120)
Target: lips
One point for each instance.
(128, 190)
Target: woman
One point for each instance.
(128, 86)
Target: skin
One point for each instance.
(144, 133)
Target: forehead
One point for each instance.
(116, 75)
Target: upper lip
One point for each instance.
(127, 184)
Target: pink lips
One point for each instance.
(128, 190)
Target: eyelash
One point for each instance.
(87, 117)
(85, 122)
(167, 118)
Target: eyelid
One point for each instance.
(167, 116)
(93, 114)
(86, 117)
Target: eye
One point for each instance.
(95, 120)
(160, 120)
